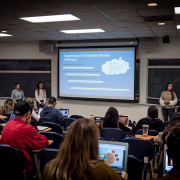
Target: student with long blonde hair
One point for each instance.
(78, 156)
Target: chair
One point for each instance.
(151, 132)
(67, 122)
(7, 115)
(2, 121)
(47, 155)
(134, 168)
(112, 134)
(41, 120)
(133, 128)
(141, 148)
(166, 123)
(55, 127)
(76, 116)
(57, 139)
(12, 164)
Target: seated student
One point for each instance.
(78, 156)
(152, 120)
(51, 112)
(162, 137)
(20, 134)
(11, 104)
(34, 115)
(173, 144)
(5, 109)
(111, 120)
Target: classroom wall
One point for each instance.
(30, 50)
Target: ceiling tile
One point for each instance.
(27, 4)
(167, 23)
(119, 14)
(6, 6)
(144, 4)
(13, 21)
(130, 24)
(139, 29)
(91, 16)
(65, 2)
(156, 12)
(114, 6)
(19, 13)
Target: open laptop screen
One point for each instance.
(168, 164)
(64, 112)
(124, 120)
(114, 154)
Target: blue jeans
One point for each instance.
(167, 112)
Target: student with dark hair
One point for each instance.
(111, 120)
(161, 139)
(20, 134)
(40, 95)
(168, 100)
(77, 158)
(51, 112)
(152, 120)
(173, 144)
(17, 94)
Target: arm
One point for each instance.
(123, 127)
(36, 96)
(138, 126)
(13, 96)
(23, 97)
(44, 96)
(174, 102)
(36, 140)
(60, 117)
(161, 102)
(158, 138)
(35, 116)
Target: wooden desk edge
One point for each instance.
(45, 130)
(139, 136)
(38, 150)
(126, 176)
(3, 117)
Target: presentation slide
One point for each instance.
(102, 73)
(113, 154)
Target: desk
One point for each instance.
(45, 130)
(146, 137)
(3, 117)
(126, 176)
(38, 150)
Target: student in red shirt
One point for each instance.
(20, 134)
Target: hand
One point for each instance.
(166, 102)
(159, 118)
(28, 121)
(42, 104)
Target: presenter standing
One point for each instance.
(40, 95)
(168, 100)
(17, 94)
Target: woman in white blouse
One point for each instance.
(40, 95)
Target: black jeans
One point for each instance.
(167, 112)
(39, 105)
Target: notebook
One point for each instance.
(167, 164)
(41, 128)
(65, 112)
(115, 155)
(124, 120)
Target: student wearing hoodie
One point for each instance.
(50, 112)
(152, 120)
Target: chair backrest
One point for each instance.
(151, 132)
(67, 122)
(42, 119)
(2, 121)
(166, 123)
(46, 156)
(55, 127)
(7, 115)
(12, 162)
(134, 168)
(112, 134)
(57, 139)
(140, 148)
(76, 116)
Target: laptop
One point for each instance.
(115, 155)
(65, 112)
(168, 163)
(124, 120)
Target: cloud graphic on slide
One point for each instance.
(115, 66)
